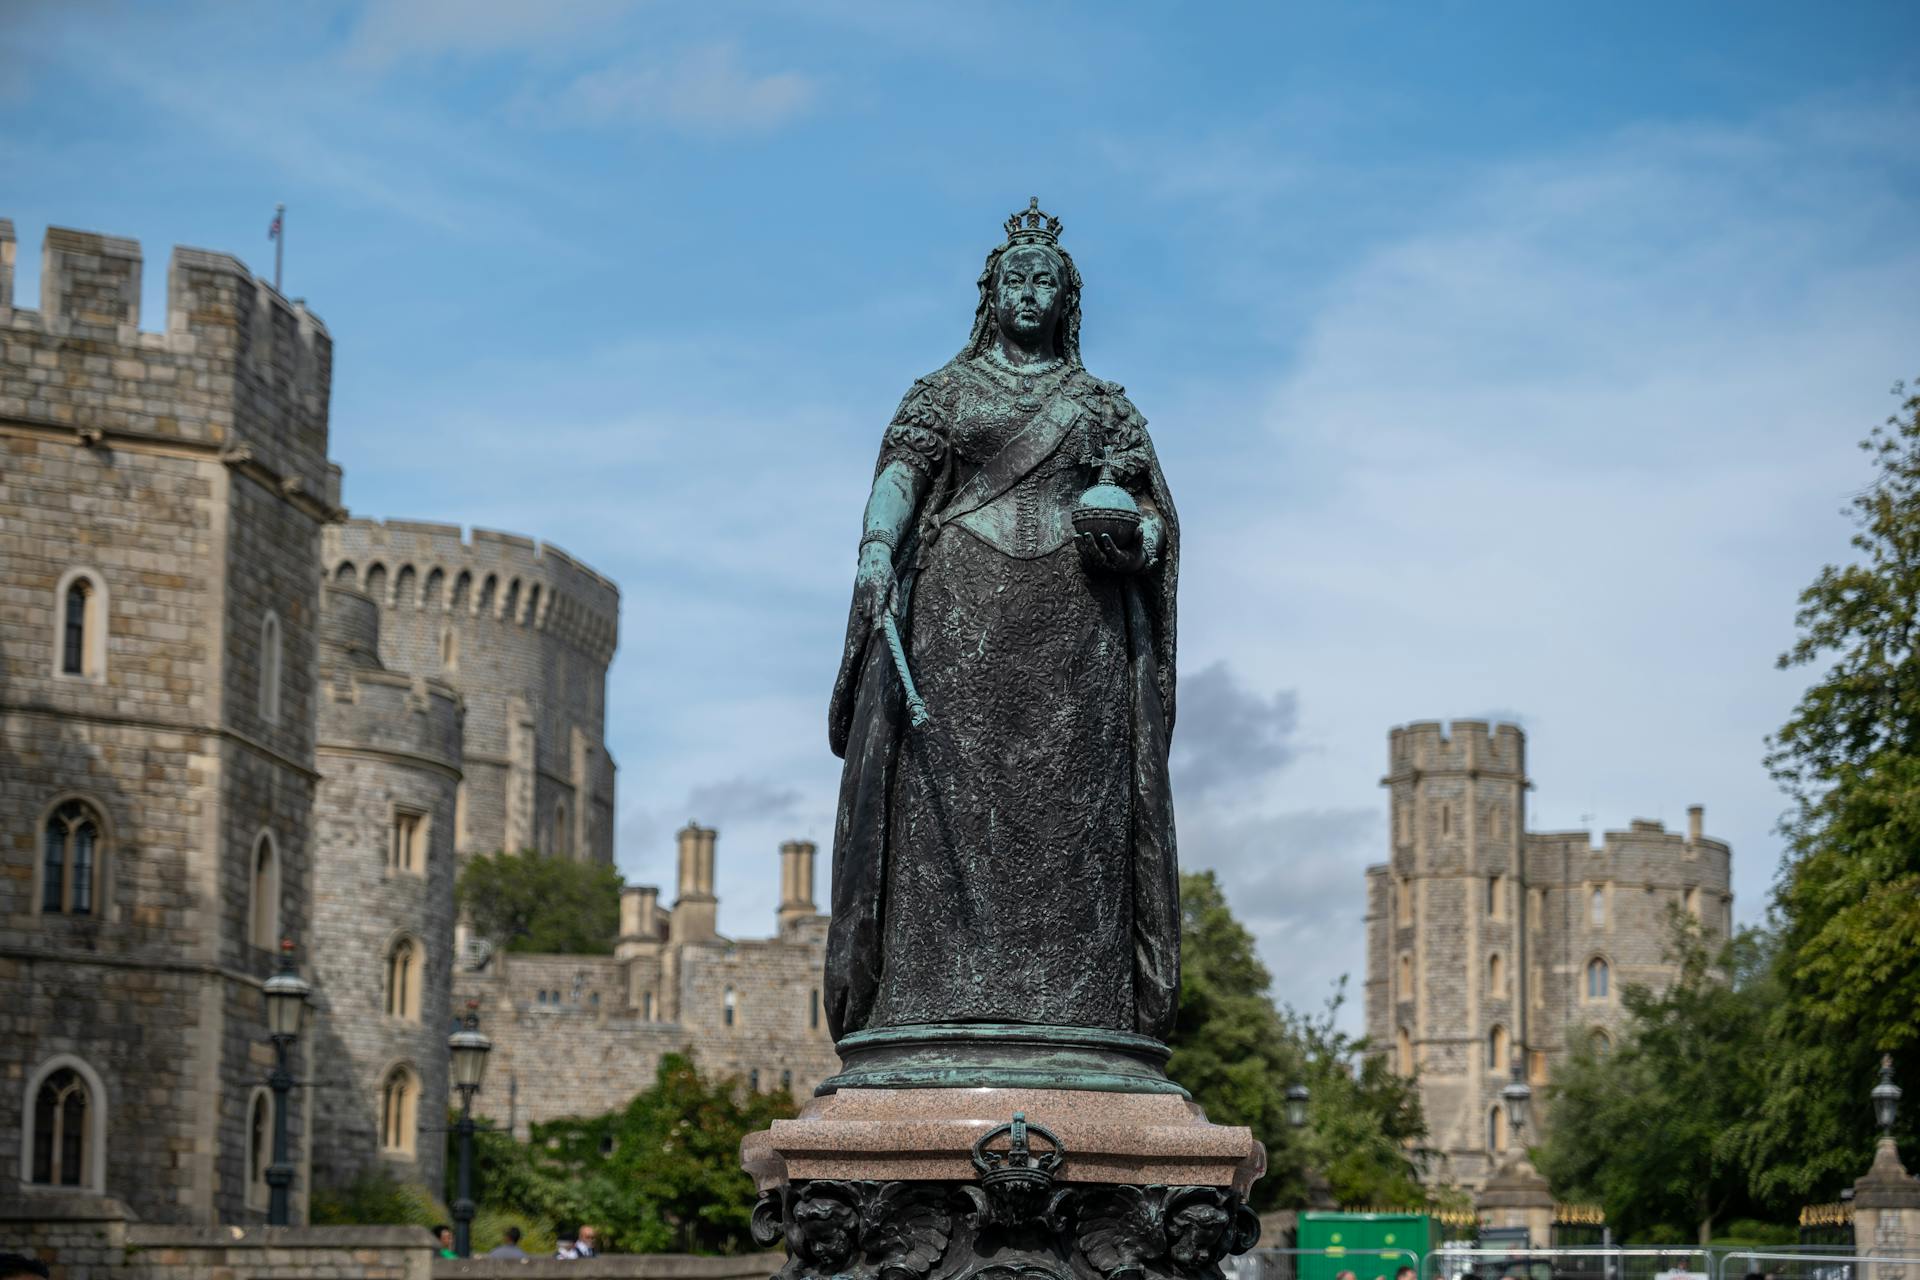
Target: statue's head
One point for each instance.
(1029, 288)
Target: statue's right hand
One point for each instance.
(873, 581)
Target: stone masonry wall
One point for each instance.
(571, 1036)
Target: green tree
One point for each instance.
(529, 902)
(1848, 898)
(1365, 1130)
(660, 1175)
(1652, 1129)
(1236, 1053)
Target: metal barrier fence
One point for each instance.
(1843, 1263)
(1278, 1264)
(1598, 1263)
(1449, 1261)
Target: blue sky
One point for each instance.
(1505, 359)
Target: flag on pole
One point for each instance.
(273, 232)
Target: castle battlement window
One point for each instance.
(730, 1007)
(1496, 976)
(1599, 979)
(1497, 1050)
(80, 612)
(263, 922)
(407, 842)
(399, 1104)
(404, 963)
(259, 1147)
(72, 854)
(270, 663)
(1496, 1130)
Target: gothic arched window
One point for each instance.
(62, 1137)
(71, 857)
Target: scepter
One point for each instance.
(916, 705)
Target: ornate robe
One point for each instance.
(1012, 860)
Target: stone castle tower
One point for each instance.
(383, 908)
(526, 633)
(162, 494)
(1489, 946)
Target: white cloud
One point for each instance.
(1571, 446)
(705, 90)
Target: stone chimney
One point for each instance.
(1696, 822)
(696, 910)
(796, 882)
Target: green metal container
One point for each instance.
(1341, 1235)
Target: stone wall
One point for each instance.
(580, 1035)
(525, 632)
(1479, 933)
(89, 1238)
(184, 472)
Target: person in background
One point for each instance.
(586, 1242)
(567, 1245)
(1406, 1273)
(18, 1266)
(443, 1236)
(509, 1246)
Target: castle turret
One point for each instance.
(1448, 928)
(796, 883)
(160, 524)
(525, 632)
(389, 750)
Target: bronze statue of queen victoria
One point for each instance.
(1009, 864)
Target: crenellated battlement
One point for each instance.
(1467, 746)
(237, 367)
(1646, 853)
(512, 579)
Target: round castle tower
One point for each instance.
(525, 633)
(1491, 947)
(389, 753)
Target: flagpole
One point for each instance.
(279, 243)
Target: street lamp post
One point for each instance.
(287, 996)
(1319, 1190)
(469, 1050)
(1297, 1096)
(1886, 1097)
(1517, 1098)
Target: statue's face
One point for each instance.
(1028, 294)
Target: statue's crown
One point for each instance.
(1032, 225)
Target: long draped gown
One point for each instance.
(1013, 860)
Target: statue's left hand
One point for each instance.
(1100, 552)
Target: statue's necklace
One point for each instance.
(1029, 401)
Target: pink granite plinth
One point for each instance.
(889, 1135)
